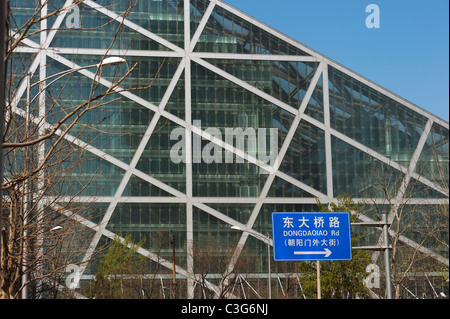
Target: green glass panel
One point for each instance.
(151, 77)
(138, 187)
(286, 81)
(144, 217)
(240, 212)
(197, 10)
(15, 66)
(282, 188)
(156, 159)
(217, 102)
(228, 33)
(164, 18)
(305, 158)
(83, 174)
(357, 173)
(227, 180)
(315, 104)
(89, 28)
(373, 119)
(434, 160)
(21, 12)
(205, 223)
(92, 211)
(176, 104)
(418, 190)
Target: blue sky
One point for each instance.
(408, 54)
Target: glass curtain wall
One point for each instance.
(239, 74)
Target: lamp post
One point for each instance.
(109, 61)
(266, 239)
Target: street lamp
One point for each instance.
(56, 228)
(266, 239)
(113, 60)
(109, 61)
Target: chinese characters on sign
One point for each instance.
(311, 236)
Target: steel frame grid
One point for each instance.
(187, 55)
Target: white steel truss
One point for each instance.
(187, 55)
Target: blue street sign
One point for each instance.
(311, 236)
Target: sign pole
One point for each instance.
(319, 292)
(387, 264)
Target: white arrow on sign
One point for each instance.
(326, 252)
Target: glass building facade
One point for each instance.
(205, 68)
